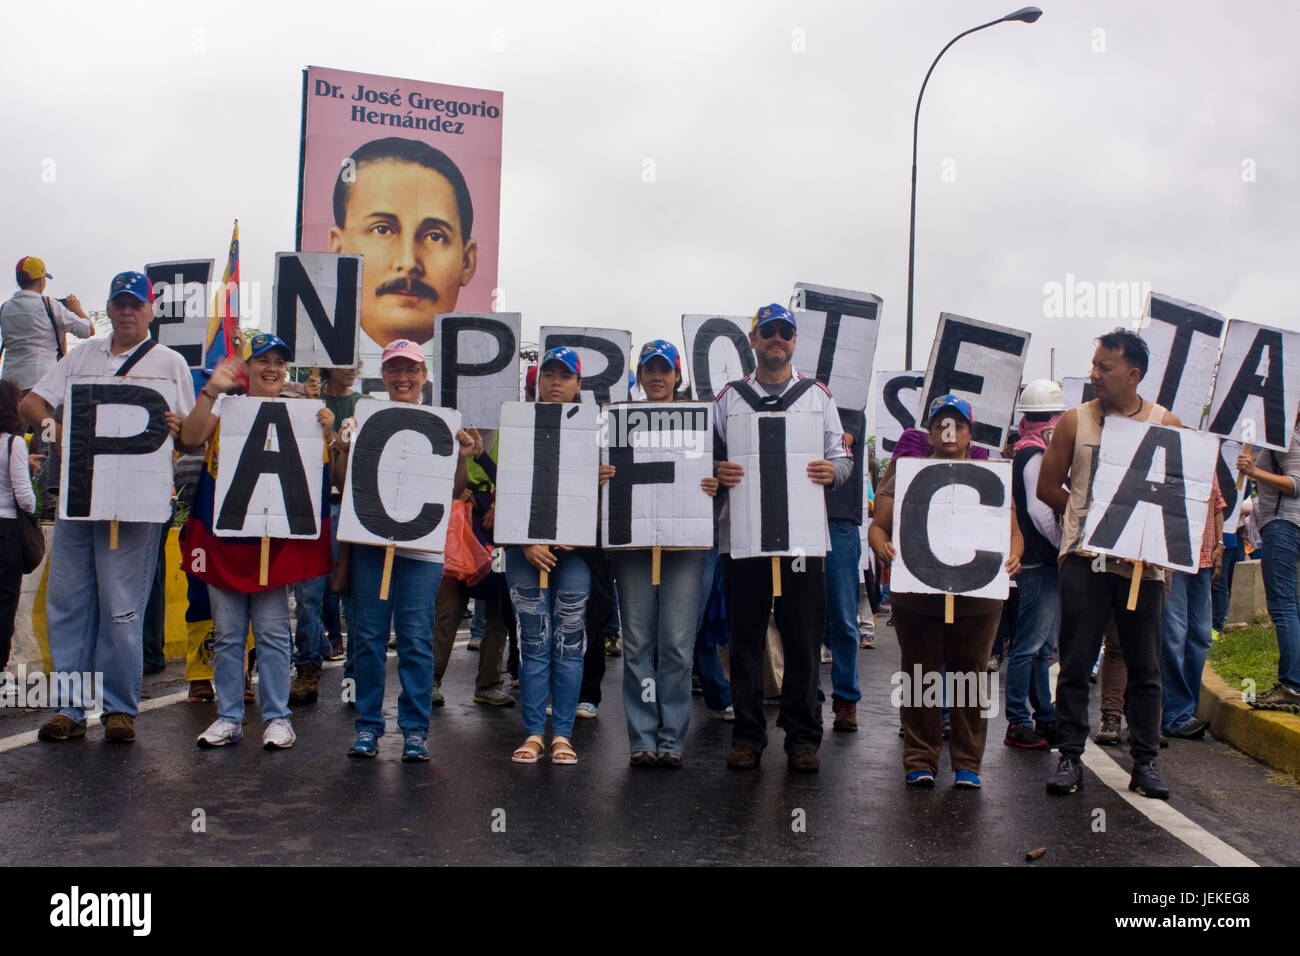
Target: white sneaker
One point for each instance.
(221, 732)
(587, 709)
(279, 733)
(728, 714)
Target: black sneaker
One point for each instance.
(1192, 730)
(1280, 697)
(1048, 730)
(1068, 777)
(1025, 737)
(1147, 782)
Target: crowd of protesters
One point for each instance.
(546, 617)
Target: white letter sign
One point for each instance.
(547, 474)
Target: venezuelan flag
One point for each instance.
(224, 319)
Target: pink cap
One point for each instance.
(403, 348)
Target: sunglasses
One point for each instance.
(784, 329)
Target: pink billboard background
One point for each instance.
(343, 110)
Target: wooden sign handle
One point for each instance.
(265, 563)
(776, 576)
(655, 558)
(1134, 585)
(1241, 475)
(112, 535)
(388, 573)
(543, 579)
(949, 608)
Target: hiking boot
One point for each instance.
(743, 757)
(1147, 782)
(803, 759)
(846, 715)
(306, 686)
(1068, 777)
(1108, 734)
(120, 728)
(494, 697)
(612, 647)
(60, 727)
(473, 644)
(1025, 737)
(1280, 697)
(201, 691)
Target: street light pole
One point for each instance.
(1024, 15)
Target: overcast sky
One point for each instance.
(1149, 143)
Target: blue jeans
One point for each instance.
(94, 606)
(232, 614)
(311, 645)
(1032, 647)
(1184, 645)
(552, 637)
(409, 612)
(708, 662)
(477, 621)
(1221, 590)
(1281, 553)
(658, 645)
(842, 577)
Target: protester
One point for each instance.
(1089, 597)
(800, 612)
(1038, 614)
(33, 325)
(95, 595)
(930, 645)
(1277, 512)
(844, 519)
(1234, 550)
(15, 492)
(413, 586)
(552, 632)
(231, 566)
(340, 398)
(659, 621)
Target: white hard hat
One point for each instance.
(1042, 395)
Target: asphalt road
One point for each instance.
(85, 803)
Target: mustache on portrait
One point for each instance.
(407, 286)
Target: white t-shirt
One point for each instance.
(95, 358)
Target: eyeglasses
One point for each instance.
(785, 329)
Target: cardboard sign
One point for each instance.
(660, 454)
(117, 449)
(476, 362)
(1226, 470)
(401, 473)
(1150, 493)
(983, 364)
(180, 306)
(1076, 391)
(269, 468)
(318, 307)
(952, 527)
(547, 474)
(776, 509)
(605, 355)
(717, 352)
(1184, 343)
(897, 404)
(837, 340)
(1257, 386)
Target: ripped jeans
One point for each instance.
(552, 637)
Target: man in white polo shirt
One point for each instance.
(33, 325)
(96, 595)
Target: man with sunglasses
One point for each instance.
(801, 610)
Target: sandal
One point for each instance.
(530, 751)
(562, 751)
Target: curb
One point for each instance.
(1270, 736)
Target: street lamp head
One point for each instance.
(1025, 14)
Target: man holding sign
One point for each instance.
(801, 607)
(1089, 597)
(101, 567)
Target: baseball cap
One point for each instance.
(135, 283)
(261, 344)
(29, 267)
(664, 349)
(565, 356)
(403, 348)
(959, 405)
(773, 313)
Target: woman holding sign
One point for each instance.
(397, 593)
(237, 592)
(552, 619)
(939, 648)
(659, 618)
